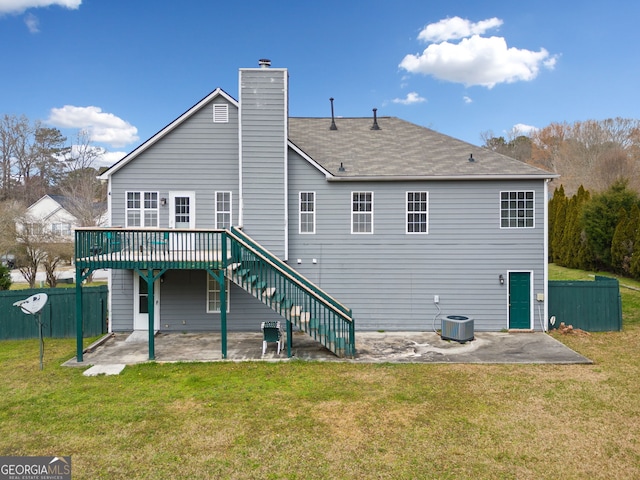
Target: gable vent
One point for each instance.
(220, 113)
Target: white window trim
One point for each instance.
(141, 209)
(300, 212)
(230, 212)
(408, 212)
(211, 279)
(220, 113)
(533, 218)
(353, 213)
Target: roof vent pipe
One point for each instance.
(333, 121)
(375, 120)
(471, 159)
(264, 63)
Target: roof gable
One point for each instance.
(218, 92)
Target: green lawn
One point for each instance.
(307, 420)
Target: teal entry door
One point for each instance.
(520, 300)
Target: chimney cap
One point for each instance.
(264, 63)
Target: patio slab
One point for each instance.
(371, 347)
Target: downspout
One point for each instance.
(286, 167)
(240, 189)
(79, 332)
(546, 255)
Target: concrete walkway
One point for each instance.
(372, 347)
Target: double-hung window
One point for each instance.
(223, 209)
(361, 212)
(142, 209)
(213, 294)
(517, 209)
(417, 212)
(307, 212)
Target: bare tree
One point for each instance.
(14, 151)
(86, 195)
(56, 253)
(10, 211)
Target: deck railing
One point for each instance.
(148, 248)
(243, 260)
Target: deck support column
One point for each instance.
(79, 332)
(150, 308)
(218, 276)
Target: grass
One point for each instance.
(306, 420)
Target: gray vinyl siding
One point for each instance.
(183, 304)
(389, 278)
(121, 308)
(263, 100)
(198, 155)
(184, 299)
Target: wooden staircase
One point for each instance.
(301, 303)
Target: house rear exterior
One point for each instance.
(400, 223)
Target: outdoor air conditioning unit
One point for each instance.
(457, 327)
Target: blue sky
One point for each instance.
(124, 69)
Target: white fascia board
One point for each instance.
(166, 130)
(313, 163)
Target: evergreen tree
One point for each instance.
(600, 217)
(558, 224)
(621, 244)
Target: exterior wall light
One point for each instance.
(501, 279)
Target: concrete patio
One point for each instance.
(372, 347)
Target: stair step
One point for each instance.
(233, 266)
(269, 292)
(278, 297)
(314, 323)
(252, 279)
(261, 285)
(296, 310)
(286, 304)
(243, 272)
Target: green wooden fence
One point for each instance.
(591, 306)
(58, 315)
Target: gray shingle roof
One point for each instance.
(398, 149)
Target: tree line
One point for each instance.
(593, 154)
(596, 232)
(36, 160)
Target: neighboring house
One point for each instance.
(398, 222)
(51, 214)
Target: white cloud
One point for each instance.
(102, 127)
(467, 99)
(523, 129)
(410, 99)
(109, 158)
(456, 28)
(474, 60)
(19, 6)
(32, 23)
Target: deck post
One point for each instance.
(223, 295)
(150, 307)
(223, 313)
(79, 332)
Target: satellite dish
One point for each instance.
(33, 304)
